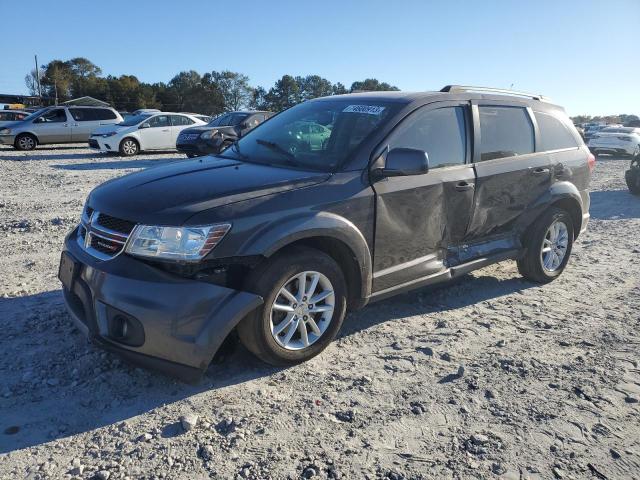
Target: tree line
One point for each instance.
(189, 91)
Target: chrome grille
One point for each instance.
(101, 235)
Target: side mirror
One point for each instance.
(402, 162)
(144, 125)
(39, 120)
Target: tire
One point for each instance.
(632, 176)
(25, 142)
(532, 265)
(129, 147)
(256, 331)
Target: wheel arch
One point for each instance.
(329, 233)
(562, 195)
(31, 134)
(130, 137)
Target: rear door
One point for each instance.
(510, 175)
(419, 217)
(53, 126)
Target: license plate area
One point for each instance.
(68, 270)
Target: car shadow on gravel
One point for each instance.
(54, 384)
(614, 205)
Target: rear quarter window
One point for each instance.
(554, 135)
(504, 132)
(104, 114)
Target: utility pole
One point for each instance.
(38, 80)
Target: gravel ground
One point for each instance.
(490, 377)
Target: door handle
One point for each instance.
(165, 130)
(540, 171)
(463, 186)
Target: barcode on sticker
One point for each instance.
(369, 109)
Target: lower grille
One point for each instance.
(93, 143)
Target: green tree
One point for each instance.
(234, 88)
(284, 94)
(313, 86)
(372, 85)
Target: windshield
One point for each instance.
(316, 135)
(134, 120)
(36, 114)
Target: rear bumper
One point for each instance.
(183, 322)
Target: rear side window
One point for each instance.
(504, 132)
(159, 121)
(554, 135)
(103, 114)
(440, 133)
(180, 121)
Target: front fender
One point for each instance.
(273, 237)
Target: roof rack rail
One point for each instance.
(502, 91)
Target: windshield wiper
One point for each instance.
(278, 149)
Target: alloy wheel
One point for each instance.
(26, 143)
(554, 246)
(302, 310)
(129, 147)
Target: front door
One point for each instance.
(178, 123)
(510, 175)
(53, 126)
(418, 218)
(158, 135)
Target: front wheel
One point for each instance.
(25, 142)
(547, 247)
(304, 306)
(129, 147)
(632, 176)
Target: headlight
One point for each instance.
(108, 134)
(175, 243)
(5, 131)
(209, 134)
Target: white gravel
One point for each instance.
(490, 377)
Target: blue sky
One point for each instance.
(584, 54)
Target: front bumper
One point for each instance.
(200, 146)
(7, 139)
(104, 144)
(183, 321)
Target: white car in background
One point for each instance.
(616, 140)
(146, 131)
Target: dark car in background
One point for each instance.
(276, 242)
(632, 176)
(219, 133)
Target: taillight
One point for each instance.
(591, 161)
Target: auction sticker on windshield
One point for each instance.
(369, 109)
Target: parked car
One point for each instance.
(57, 125)
(199, 116)
(591, 130)
(7, 116)
(146, 131)
(616, 140)
(632, 176)
(141, 111)
(409, 190)
(219, 133)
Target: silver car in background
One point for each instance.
(57, 125)
(616, 140)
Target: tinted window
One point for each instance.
(440, 133)
(235, 119)
(216, 122)
(179, 120)
(553, 134)
(53, 116)
(4, 116)
(159, 121)
(102, 114)
(134, 120)
(504, 132)
(20, 116)
(82, 114)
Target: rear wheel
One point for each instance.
(547, 247)
(129, 147)
(632, 176)
(304, 306)
(25, 142)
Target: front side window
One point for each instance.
(56, 115)
(286, 139)
(553, 134)
(440, 133)
(504, 132)
(81, 114)
(159, 121)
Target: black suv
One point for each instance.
(219, 133)
(282, 233)
(632, 175)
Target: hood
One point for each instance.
(205, 128)
(170, 194)
(114, 127)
